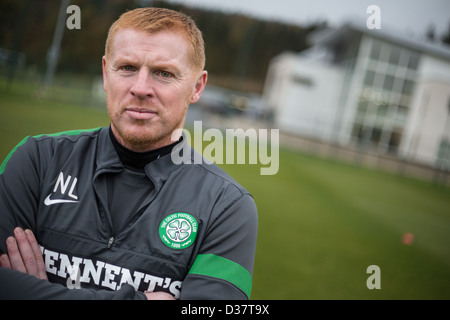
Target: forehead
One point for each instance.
(161, 46)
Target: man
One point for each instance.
(107, 211)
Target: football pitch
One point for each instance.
(322, 223)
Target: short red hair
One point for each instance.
(152, 20)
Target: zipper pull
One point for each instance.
(110, 242)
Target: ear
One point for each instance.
(199, 86)
(104, 73)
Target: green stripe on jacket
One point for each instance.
(217, 267)
(69, 133)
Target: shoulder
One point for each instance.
(43, 146)
(212, 176)
(208, 183)
(197, 168)
(65, 142)
(218, 173)
(70, 135)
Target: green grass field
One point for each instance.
(321, 222)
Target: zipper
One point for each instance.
(110, 242)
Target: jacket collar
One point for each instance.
(158, 170)
(107, 158)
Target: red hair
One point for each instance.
(152, 20)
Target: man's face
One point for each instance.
(149, 82)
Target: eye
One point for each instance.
(128, 68)
(164, 74)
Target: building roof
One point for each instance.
(332, 36)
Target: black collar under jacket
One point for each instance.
(158, 171)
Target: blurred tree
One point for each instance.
(431, 32)
(12, 31)
(9, 13)
(238, 47)
(446, 36)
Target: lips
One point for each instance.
(140, 113)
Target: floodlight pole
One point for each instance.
(53, 53)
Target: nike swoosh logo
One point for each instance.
(49, 202)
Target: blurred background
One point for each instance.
(361, 99)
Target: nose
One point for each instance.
(142, 87)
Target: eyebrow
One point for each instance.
(123, 59)
(133, 60)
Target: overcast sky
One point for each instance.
(410, 16)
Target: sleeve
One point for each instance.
(19, 189)
(223, 268)
(19, 195)
(21, 286)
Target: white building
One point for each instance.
(368, 88)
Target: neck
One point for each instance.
(135, 159)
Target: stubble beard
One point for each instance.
(149, 137)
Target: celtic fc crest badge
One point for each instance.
(178, 230)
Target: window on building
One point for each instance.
(382, 111)
(387, 86)
(376, 136)
(357, 131)
(388, 82)
(413, 60)
(408, 86)
(362, 108)
(361, 135)
(443, 154)
(369, 78)
(394, 57)
(301, 80)
(394, 140)
(401, 115)
(376, 49)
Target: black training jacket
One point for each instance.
(196, 239)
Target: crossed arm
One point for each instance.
(24, 255)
